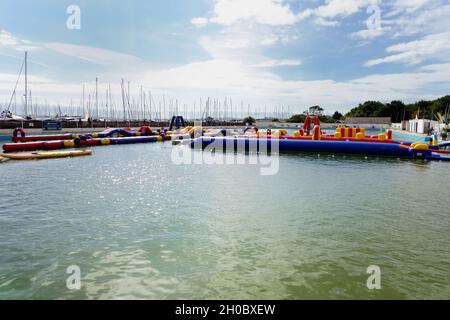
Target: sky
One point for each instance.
(266, 53)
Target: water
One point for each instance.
(139, 226)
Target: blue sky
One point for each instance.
(265, 52)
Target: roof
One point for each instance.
(367, 120)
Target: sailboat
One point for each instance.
(7, 114)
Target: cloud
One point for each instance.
(407, 6)
(200, 22)
(341, 8)
(257, 86)
(268, 12)
(326, 23)
(435, 46)
(94, 55)
(7, 40)
(432, 19)
(218, 77)
(367, 34)
(278, 63)
(275, 13)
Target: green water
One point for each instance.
(139, 226)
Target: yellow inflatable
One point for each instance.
(45, 154)
(420, 146)
(186, 130)
(69, 144)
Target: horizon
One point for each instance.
(271, 55)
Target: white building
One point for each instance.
(422, 125)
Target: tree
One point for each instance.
(297, 118)
(367, 109)
(397, 111)
(337, 116)
(250, 120)
(317, 110)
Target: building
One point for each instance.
(368, 122)
(422, 125)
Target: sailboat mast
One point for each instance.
(96, 98)
(83, 104)
(26, 84)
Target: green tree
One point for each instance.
(317, 110)
(337, 116)
(297, 118)
(367, 109)
(250, 120)
(397, 111)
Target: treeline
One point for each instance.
(398, 111)
(317, 110)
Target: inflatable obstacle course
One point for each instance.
(110, 136)
(19, 134)
(232, 144)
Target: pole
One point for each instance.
(96, 98)
(26, 84)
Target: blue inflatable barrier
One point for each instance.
(282, 145)
(110, 133)
(131, 140)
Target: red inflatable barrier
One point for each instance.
(32, 146)
(77, 143)
(145, 131)
(43, 137)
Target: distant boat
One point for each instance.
(7, 115)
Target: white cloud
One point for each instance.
(7, 40)
(341, 8)
(278, 63)
(226, 78)
(435, 46)
(407, 6)
(200, 22)
(276, 13)
(430, 20)
(326, 23)
(94, 55)
(269, 12)
(367, 34)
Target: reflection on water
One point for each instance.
(139, 226)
